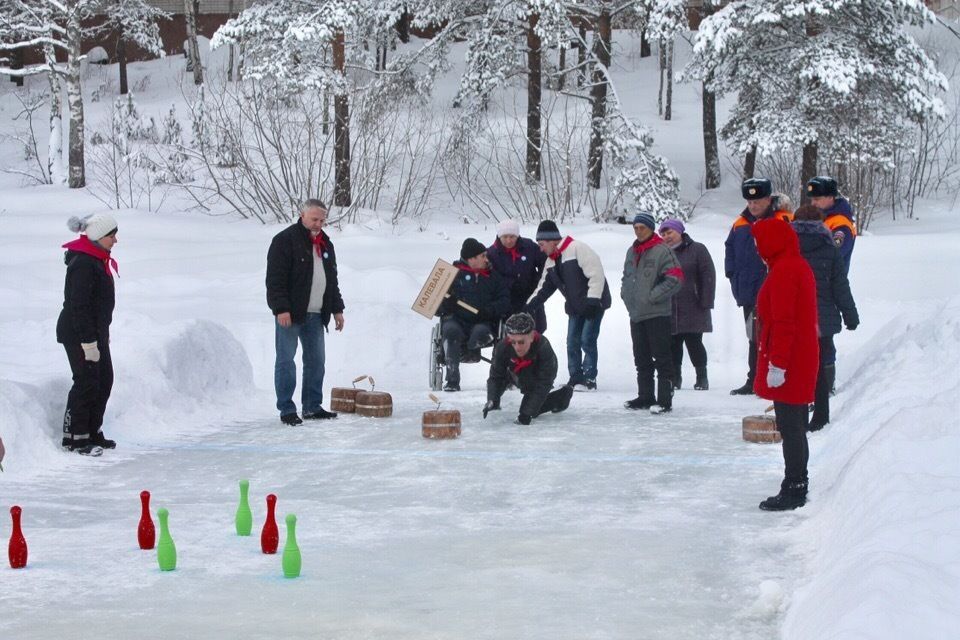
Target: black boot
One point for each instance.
(677, 378)
(793, 495)
(664, 396)
(102, 441)
(319, 414)
(745, 390)
(644, 399)
(702, 384)
(557, 400)
(821, 402)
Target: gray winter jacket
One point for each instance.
(651, 277)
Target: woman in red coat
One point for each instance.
(788, 351)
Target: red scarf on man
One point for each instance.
(519, 364)
(83, 244)
(563, 246)
(319, 244)
(480, 272)
(649, 243)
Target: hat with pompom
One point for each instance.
(95, 226)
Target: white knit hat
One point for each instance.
(94, 226)
(508, 228)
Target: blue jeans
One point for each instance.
(310, 335)
(582, 333)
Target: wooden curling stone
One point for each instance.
(374, 404)
(344, 399)
(762, 429)
(441, 424)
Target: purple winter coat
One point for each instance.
(692, 304)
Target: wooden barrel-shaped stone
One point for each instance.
(761, 429)
(343, 399)
(374, 404)
(441, 425)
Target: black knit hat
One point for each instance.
(756, 188)
(471, 248)
(548, 231)
(519, 324)
(822, 186)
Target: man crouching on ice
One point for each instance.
(526, 360)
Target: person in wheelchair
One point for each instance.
(471, 313)
(525, 359)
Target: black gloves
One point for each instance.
(852, 324)
(523, 419)
(593, 309)
(490, 406)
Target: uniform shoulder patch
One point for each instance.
(838, 237)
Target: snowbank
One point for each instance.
(174, 378)
(882, 527)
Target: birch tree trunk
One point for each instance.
(77, 177)
(598, 96)
(55, 143)
(668, 107)
(341, 131)
(192, 46)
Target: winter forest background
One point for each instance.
(337, 100)
(205, 124)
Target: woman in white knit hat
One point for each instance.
(84, 331)
(519, 262)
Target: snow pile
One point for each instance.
(171, 379)
(883, 523)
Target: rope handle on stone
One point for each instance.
(435, 399)
(359, 379)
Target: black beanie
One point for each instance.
(519, 324)
(548, 231)
(471, 248)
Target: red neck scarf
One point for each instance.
(480, 272)
(640, 247)
(563, 247)
(83, 244)
(319, 244)
(513, 252)
(519, 364)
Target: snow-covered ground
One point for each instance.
(596, 523)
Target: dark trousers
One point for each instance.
(651, 351)
(694, 342)
(752, 353)
(454, 333)
(792, 425)
(87, 400)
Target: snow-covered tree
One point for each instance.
(839, 78)
(665, 20)
(135, 21)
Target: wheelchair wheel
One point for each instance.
(435, 363)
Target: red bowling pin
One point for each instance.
(270, 535)
(146, 533)
(17, 549)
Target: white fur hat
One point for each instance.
(508, 228)
(94, 226)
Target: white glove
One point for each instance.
(90, 351)
(776, 376)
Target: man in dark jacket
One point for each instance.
(519, 262)
(303, 292)
(651, 277)
(787, 358)
(692, 305)
(83, 329)
(837, 215)
(743, 266)
(525, 359)
(476, 302)
(575, 269)
(833, 301)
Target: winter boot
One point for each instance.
(639, 403)
(645, 398)
(102, 441)
(319, 414)
(702, 384)
(793, 495)
(89, 450)
(664, 395)
(821, 404)
(557, 400)
(291, 419)
(453, 377)
(677, 378)
(745, 390)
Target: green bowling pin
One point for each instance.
(166, 550)
(244, 515)
(291, 552)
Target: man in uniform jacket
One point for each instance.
(83, 329)
(742, 264)
(525, 359)
(303, 292)
(575, 269)
(486, 300)
(834, 300)
(651, 277)
(837, 215)
(692, 304)
(519, 262)
(788, 353)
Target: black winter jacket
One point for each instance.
(834, 298)
(522, 274)
(488, 293)
(88, 301)
(534, 381)
(290, 275)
